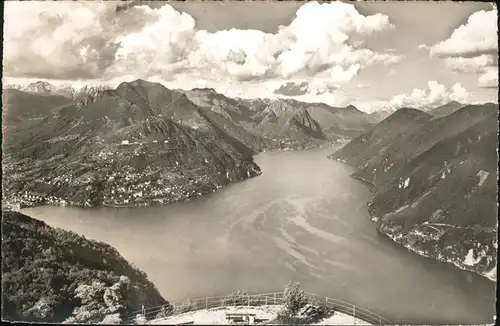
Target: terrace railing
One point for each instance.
(249, 300)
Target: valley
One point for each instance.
(250, 162)
(143, 144)
(303, 219)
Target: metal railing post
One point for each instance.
(206, 303)
(354, 313)
(274, 298)
(380, 320)
(266, 300)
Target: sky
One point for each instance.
(375, 55)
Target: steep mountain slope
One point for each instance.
(67, 91)
(87, 91)
(208, 98)
(52, 275)
(340, 122)
(267, 124)
(434, 184)
(446, 109)
(260, 124)
(135, 145)
(22, 107)
(235, 118)
(282, 118)
(377, 116)
(321, 123)
(367, 147)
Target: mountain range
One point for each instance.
(142, 143)
(135, 145)
(434, 181)
(45, 88)
(433, 173)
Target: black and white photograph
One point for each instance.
(249, 162)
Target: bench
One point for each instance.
(248, 318)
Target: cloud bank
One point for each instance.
(473, 48)
(64, 40)
(79, 40)
(315, 43)
(434, 95)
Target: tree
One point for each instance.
(294, 300)
(294, 297)
(237, 298)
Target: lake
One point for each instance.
(303, 219)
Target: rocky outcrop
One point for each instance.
(262, 124)
(52, 275)
(434, 183)
(335, 122)
(317, 124)
(137, 145)
(302, 121)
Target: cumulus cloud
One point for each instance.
(434, 95)
(315, 87)
(473, 48)
(64, 40)
(100, 40)
(470, 65)
(489, 79)
(292, 89)
(166, 40)
(477, 36)
(319, 86)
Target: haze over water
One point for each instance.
(303, 219)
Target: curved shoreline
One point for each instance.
(165, 226)
(491, 275)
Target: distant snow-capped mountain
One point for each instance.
(42, 87)
(37, 87)
(89, 90)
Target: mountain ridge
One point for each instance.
(431, 185)
(126, 136)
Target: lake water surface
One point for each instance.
(303, 219)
